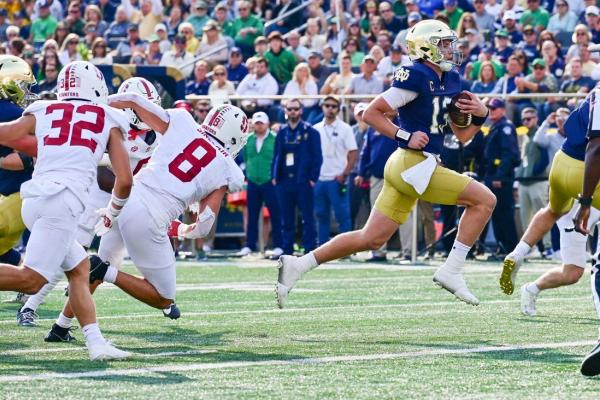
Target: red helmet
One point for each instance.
(183, 104)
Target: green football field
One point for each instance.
(351, 330)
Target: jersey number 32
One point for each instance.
(71, 132)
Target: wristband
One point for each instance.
(584, 201)
(115, 201)
(478, 121)
(401, 134)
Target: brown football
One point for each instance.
(457, 117)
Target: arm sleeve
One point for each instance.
(396, 97)
(141, 102)
(594, 125)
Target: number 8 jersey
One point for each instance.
(71, 138)
(186, 166)
(427, 109)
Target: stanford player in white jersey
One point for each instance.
(140, 144)
(72, 134)
(191, 163)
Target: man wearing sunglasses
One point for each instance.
(297, 160)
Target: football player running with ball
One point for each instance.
(191, 163)
(72, 135)
(421, 93)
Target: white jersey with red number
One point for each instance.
(71, 136)
(186, 167)
(140, 148)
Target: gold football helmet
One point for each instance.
(432, 40)
(15, 80)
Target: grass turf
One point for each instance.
(350, 330)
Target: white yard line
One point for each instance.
(328, 308)
(297, 361)
(78, 348)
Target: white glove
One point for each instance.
(106, 221)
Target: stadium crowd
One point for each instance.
(337, 48)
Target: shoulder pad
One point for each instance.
(118, 117)
(38, 106)
(409, 78)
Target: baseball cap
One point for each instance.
(360, 107)
(43, 4)
(593, 10)
(260, 117)
(509, 14)
(496, 103)
(528, 28)
(450, 2)
(260, 39)
(221, 5)
(153, 38)
(414, 16)
(538, 61)
(396, 49)
(160, 27)
(471, 31)
(133, 27)
(315, 54)
(274, 35)
(369, 57)
(210, 25)
(487, 49)
(235, 50)
(200, 4)
(502, 33)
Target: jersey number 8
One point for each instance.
(196, 163)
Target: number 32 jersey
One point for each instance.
(186, 166)
(428, 111)
(71, 138)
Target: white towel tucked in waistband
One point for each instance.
(419, 175)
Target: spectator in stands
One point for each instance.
(191, 41)
(281, 60)
(384, 41)
(587, 64)
(495, 9)
(575, 82)
(21, 20)
(359, 194)
(453, 12)
(366, 82)
(377, 53)
(340, 153)
(118, 28)
(220, 89)
(263, 9)
(50, 45)
(201, 109)
(296, 165)
(161, 32)
(178, 57)
(503, 49)
(539, 81)
(16, 46)
(552, 59)
(369, 12)
(200, 84)
(400, 39)
(351, 48)
(592, 20)
(530, 43)
(133, 10)
(198, 16)
(535, 16)
(299, 51)
(74, 21)
(474, 43)
(50, 78)
(466, 22)
(487, 79)
(563, 21)
(236, 70)
(389, 64)
(509, 21)
(152, 12)
(182, 4)
(99, 53)
(44, 26)
(258, 157)
(175, 19)
(302, 83)
(507, 83)
(211, 41)
(339, 83)
(221, 17)
(329, 58)
(485, 21)
(581, 35)
(68, 51)
(551, 134)
(287, 23)
(55, 6)
(90, 34)
(108, 9)
(261, 46)
(261, 82)
(153, 54)
(313, 39)
(246, 28)
(93, 14)
(391, 22)
(318, 71)
(125, 49)
(522, 57)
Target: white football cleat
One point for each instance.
(106, 351)
(289, 273)
(455, 283)
(244, 252)
(511, 266)
(528, 302)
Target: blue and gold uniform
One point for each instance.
(11, 223)
(426, 113)
(566, 174)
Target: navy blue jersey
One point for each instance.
(428, 112)
(594, 125)
(576, 128)
(10, 181)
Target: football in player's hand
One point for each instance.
(457, 117)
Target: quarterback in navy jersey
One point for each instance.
(420, 94)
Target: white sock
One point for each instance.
(456, 258)
(308, 262)
(64, 322)
(92, 334)
(521, 250)
(111, 274)
(533, 288)
(33, 302)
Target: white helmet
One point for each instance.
(229, 125)
(81, 80)
(144, 88)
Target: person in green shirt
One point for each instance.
(44, 26)
(453, 12)
(246, 28)
(258, 157)
(281, 61)
(534, 15)
(198, 17)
